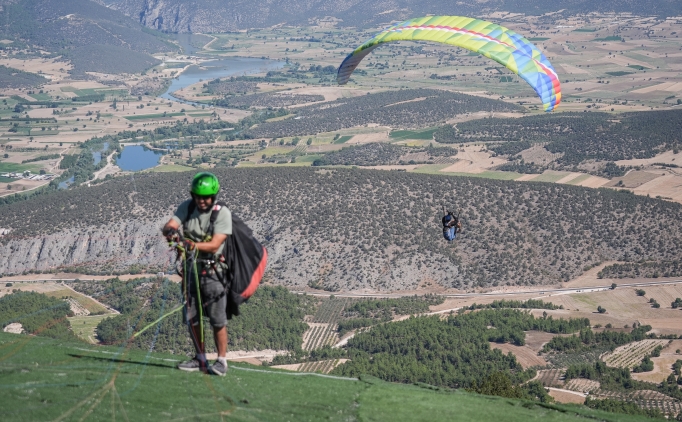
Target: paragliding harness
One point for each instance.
(450, 225)
(244, 256)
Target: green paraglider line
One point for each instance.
(179, 308)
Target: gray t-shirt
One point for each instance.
(197, 225)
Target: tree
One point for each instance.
(613, 286)
(309, 141)
(601, 310)
(640, 292)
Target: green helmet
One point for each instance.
(205, 184)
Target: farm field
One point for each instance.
(525, 355)
(59, 291)
(630, 355)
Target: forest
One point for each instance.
(454, 352)
(577, 137)
(38, 314)
(587, 339)
(514, 233)
(271, 319)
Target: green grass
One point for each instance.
(343, 139)
(307, 159)
(585, 30)
(638, 67)
(399, 135)
(152, 116)
(43, 379)
(536, 39)
(83, 300)
(41, 97)
(549, 177)
(84, 326)
(609, 38)
(578, 179)
(619, 73)
(170, 168)
(14, 167)
(437, 169)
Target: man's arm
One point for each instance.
(170, 229)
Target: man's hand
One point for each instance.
(171, 234)
(188, 245)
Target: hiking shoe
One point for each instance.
(218, 368)
(193, 366)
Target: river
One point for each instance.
(213, 68)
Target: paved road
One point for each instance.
(546, 292)
(541, 292)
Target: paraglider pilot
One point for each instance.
(451, 225)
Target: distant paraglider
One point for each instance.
(493, 41)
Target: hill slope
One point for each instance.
(217, 16)
(43, 379)
(84, 32)
(345, 229)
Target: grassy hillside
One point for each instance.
(43, 379)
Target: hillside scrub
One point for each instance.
(356, 221)
(405, 109)
(577, 137)
(78, 30)
(642, 270)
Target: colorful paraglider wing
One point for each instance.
(493, 41)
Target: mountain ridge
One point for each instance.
(215, 16)
(350, 229)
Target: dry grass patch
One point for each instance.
(633, 179)
(526, 356)
(561, 396)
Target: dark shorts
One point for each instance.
(213, 300)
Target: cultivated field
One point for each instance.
(630, 355)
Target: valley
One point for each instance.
(562, 292)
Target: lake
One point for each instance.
(235, 66)
(97, 155)
(137, 157)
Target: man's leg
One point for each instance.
(220, 337)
